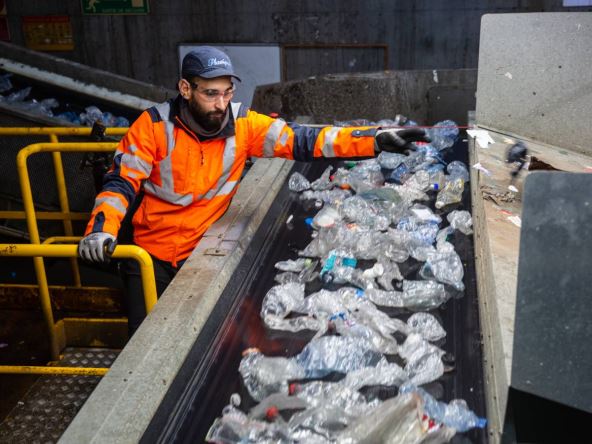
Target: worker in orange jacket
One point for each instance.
(185, 157)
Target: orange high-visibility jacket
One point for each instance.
(188, 184)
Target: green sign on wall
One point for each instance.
(115, 7)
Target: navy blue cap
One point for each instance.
(207, 62)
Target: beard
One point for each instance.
(208, 120)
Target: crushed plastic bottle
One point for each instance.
(236, 427)
(444, 266)
(70, 116)
(390, 161)
(326, 217)
(298, 183)
(420, 181)
(416, 295)
(424, 360)
(275, 403)
(444, 134)
(366, 175)
(91, 115)
(451, 193)
(427, 326)
(390, 272)
(386, 374)
(457, 169)
(367, 213)
(19, 96)
(356, 325)
(324, 182)
(108, 119)
(5, 83)
(423, 295)
(328, 354)
(280, 300)
(334, 197)
(264, 375)
(396, 420)
(422, 232)
(121, 122)
(333, 394)
(400, 174)
(461, 221)
(293, 265)
(455, 414)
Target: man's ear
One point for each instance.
(184, 89)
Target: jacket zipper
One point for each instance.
(192, 134)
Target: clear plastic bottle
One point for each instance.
(444, 134)
(263, 375)
(298, 183)
(445, 267)
(457, 169)
(455, 414)
(461, 221)
(451, 193)
(324, 182)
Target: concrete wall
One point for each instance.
(534, 77)
(420, 34)
(424, 96)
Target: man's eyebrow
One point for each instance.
(214, 89)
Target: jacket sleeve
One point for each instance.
(132, 164)
(268, 137)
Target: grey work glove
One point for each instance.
(97, 247)
(398, 140)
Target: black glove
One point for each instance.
(97, 247)
(398, 140)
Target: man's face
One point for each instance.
(208, 99)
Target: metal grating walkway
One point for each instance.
(51, 403)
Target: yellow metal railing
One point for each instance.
(38, 250)
(27, 194)
(71, 251)
(64, 215)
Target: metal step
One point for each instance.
(51, 403)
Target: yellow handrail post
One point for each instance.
(21, 162)
(64, 204)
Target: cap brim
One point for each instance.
(219, 73)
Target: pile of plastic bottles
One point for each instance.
(47, 107)
(374, 212)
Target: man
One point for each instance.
(185, 158)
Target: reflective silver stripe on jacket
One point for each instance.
(272, 136)
(134, 162)
(112, 201)
(330, 135)
(166, 191)
(223, 186)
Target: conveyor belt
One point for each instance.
(210, 374)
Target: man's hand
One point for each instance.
(398, 140)
(97, 247)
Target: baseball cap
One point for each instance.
(207, 62)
